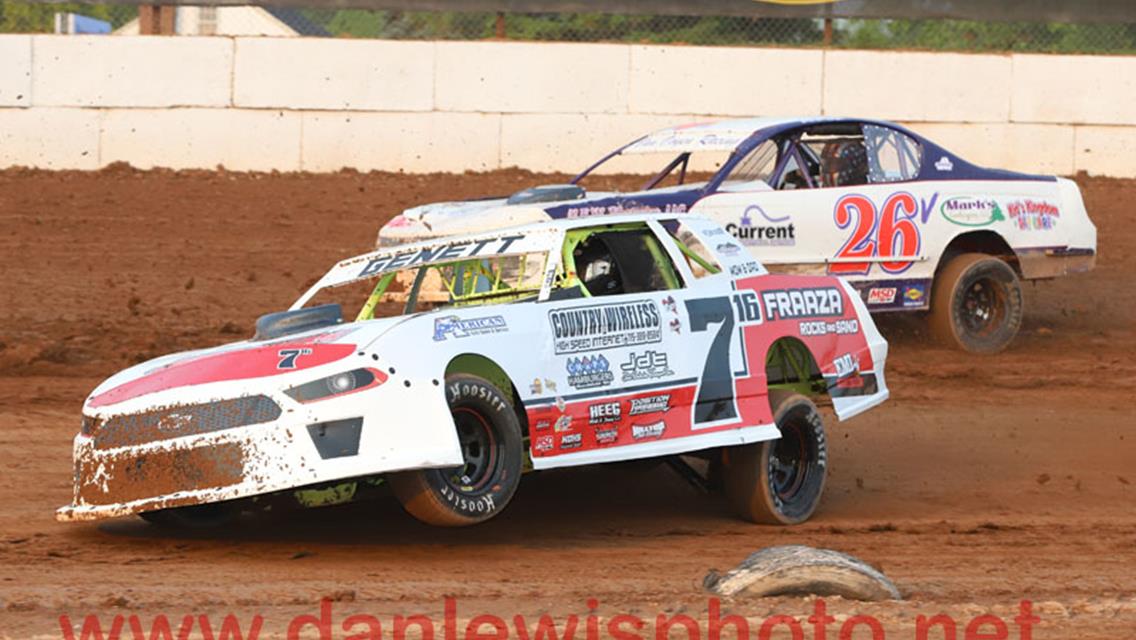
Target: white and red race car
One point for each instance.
(472, 359)
(911, 225)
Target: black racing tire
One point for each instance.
(215, 515)
(493, 448)
(976, 303)
(779, 481)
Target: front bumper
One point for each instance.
(151, 466)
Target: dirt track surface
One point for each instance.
(984, 481)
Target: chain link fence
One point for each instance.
(953, 35)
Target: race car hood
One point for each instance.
(232, 369)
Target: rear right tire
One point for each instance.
(780, 481)
(976, 303)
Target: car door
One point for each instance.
(619, 362)
(839, 200)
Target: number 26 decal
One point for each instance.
(890, 232)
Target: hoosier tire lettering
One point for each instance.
(458, 390)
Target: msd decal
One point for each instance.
(791, 304)
(881, 295)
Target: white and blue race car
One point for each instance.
(911, 225)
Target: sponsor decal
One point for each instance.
(623, 207)
(571, 441)
(604, 413)
(744, 269)
(453, 251)
(670, 305)
(560, 404)
(652, 430)
(536, 387)
(550, 385)
(882, 295)
(913, 295)
(777, 233)
(714, 231)
(589, 372)
(846, 365)
(646, 365)
(542, 425)
(790, 304)
(607, 435)
(822, 328)
(543, 443)
(971, 212)
(621, 324)
(1033, 215)
(728, 249)
(944, 164)
(463, 328)
(563, 423)
(288, 357)
(676, 325)
(650, 404)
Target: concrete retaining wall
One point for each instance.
(82, 102)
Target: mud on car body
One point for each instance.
(474, 359)
(911, 225)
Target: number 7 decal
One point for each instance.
(716, 387)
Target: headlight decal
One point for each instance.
(337, 385)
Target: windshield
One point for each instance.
(644, 171)
(469, 282)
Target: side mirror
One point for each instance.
(283, 323)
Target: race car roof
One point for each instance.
(702, 136)
(724, 135)
(528, 238)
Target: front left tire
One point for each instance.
(492, 443)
